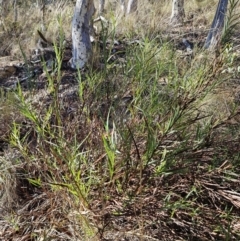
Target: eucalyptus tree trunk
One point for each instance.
(101, 6)
(178, 12)
(82, 48)
(123, 5)
(215, 33)
(132, 6)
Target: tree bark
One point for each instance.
(132, 6)
(122, 2)
(214, 35)
(178, 12)
(82, 48)
(101, 6)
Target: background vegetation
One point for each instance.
(143, 144)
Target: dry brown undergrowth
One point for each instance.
(196, 199)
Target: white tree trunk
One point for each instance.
(82, 48)
(122, 2)
(132, 6)
(215, 33)
(101, 6)
(178, 13)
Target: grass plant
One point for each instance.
(141, 145)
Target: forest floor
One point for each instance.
(142, 144)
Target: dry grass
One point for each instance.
(142, 145)
(25, 30)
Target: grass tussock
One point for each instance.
(141, 145)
